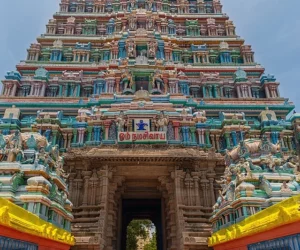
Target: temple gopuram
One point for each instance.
(154, 110)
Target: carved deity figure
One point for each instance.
(173, 73)
(189, 185)
(200, 116)
(132, 4)
(12, 152)
(149, 4)
(244, 166)
(150, 23)
(141, 125)
(184, 114)
(285, 188)
(269, 162)
(127, 80)
(132, 23)
(42, 156)
(291, 163)
(227, 192)
(157, 82)
(110, 73)
(16, 140)
(2, 153)
(59, 168)
(2, 147)
(131, 48)
(121, 122)
(162, 122)
(82, 115)
(152, 49)
(20, 154)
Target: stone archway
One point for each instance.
(102, 179)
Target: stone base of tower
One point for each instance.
(173, 187)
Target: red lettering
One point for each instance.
(121, 136)
(145, 136)
(163, 136)
(141, 136)
(134, 137)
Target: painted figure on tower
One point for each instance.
(162, 122)
(121, 122)
(157, 82)
(131, 49)
(127, 80)
(152, 47)
(141, 125)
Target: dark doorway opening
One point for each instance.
(142, 209)
(142, 82)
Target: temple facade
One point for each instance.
(160, 112)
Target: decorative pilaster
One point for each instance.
(176, 125)
(54, 137)
(74, 135)
(193, 135)
(212, 193)
(227, 139)
(86, 177)
(196, 190)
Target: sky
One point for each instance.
(270, 26)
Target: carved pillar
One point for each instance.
(178, 186)
(176, 125)
(289, 139)
(54, 138)
(86, 178)
(213, 140)
(89, 133)
(285, 141)
(102, 224)
(65, 136)
(171, 211)
(193, 130)
(196, 187)
(118, 84)
(212, 194)
(189, 189)
(93, 188)
(77, 189)
(69, 140)
(234, 138)
(227, 139)
(207, 137)
(106, 126)
(74, 135)
(204, 192)
(14, 90)
(217, 142)
(71, 187)
(238, 88)
(267, 92)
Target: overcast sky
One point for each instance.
(272, 27)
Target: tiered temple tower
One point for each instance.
(143, 99)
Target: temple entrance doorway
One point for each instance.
(172, 187)
(142, 82)
(142, 209)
